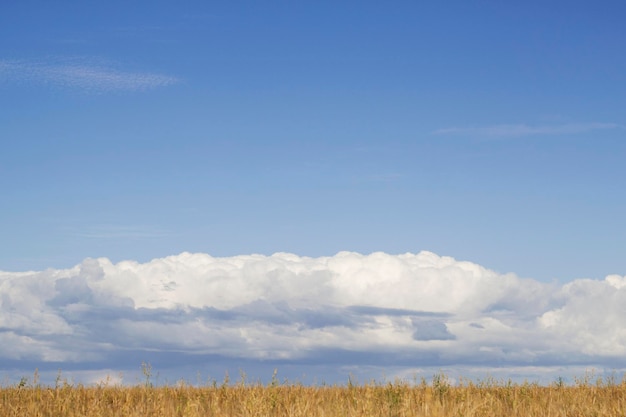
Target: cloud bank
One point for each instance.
(81, 74)
(348, 311)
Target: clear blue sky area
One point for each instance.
(489, 131)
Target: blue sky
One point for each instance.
(485, 131)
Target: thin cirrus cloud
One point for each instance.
(82, 74)
(347, 313)
(106, 231)
(514, 130)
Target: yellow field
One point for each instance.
(585, 398)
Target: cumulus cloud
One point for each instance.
(514, 130)
(351, 310)
(81, 74)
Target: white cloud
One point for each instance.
(514, 130)
(352, 310)
(82, 74)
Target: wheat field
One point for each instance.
(586, 397)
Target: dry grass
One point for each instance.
(488, 398)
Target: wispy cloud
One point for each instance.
(513, 130)
(348, 311)
(120, 232)
(82, 74)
